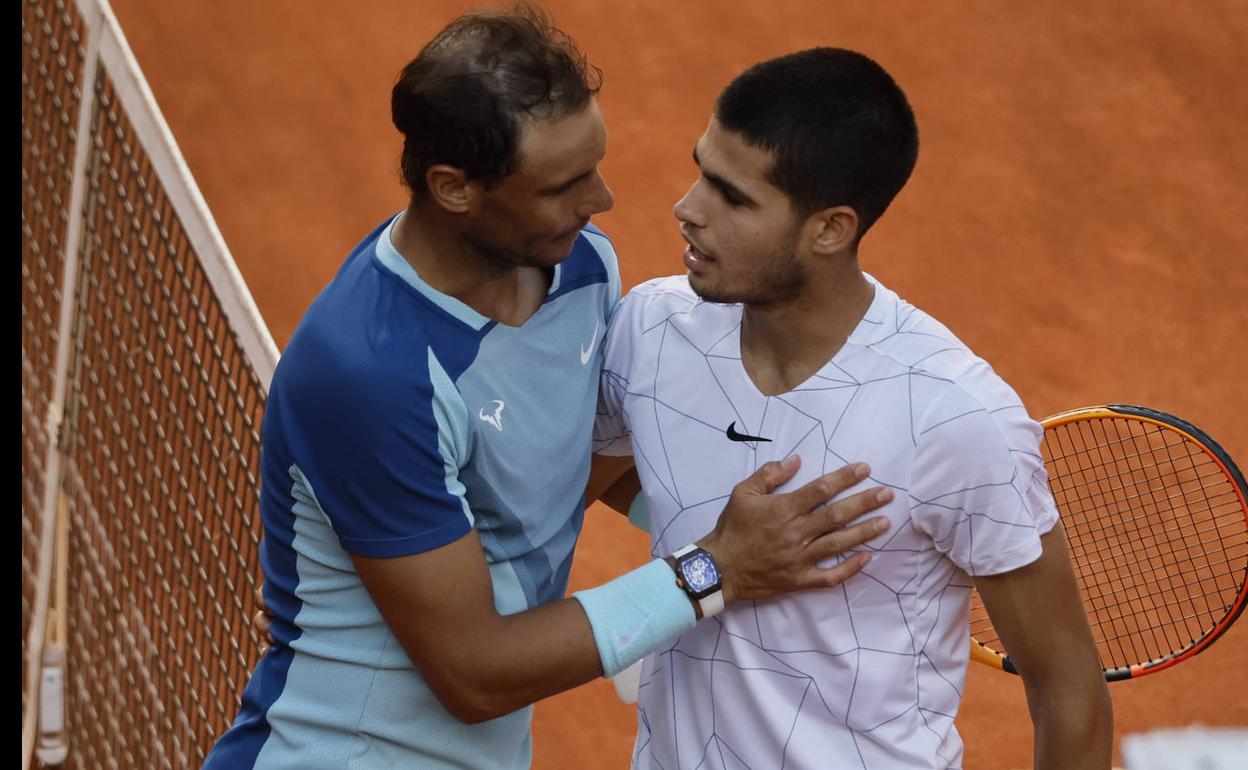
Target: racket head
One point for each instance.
(1156, 514)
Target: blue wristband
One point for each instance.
(639, 514)
(636, 614)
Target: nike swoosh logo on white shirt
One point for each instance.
(585, 354)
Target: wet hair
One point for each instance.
(463, 99)
(840, 129)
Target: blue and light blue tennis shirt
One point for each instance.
(398, 419)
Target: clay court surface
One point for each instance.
(1077, 215)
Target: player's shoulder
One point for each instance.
(897, 330)
(337, 360)
(946, 377)
(660, 312)
(911, 339)
(366, 335)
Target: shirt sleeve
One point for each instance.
(979, 488)
(380, 451)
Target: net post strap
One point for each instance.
(56, 408)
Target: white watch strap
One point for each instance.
(711, 604)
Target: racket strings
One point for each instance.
(1211, 473)
(1168, 584)
(1095, 464)
(1151, 570)
(1156, 535)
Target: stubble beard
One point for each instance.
(774, 280)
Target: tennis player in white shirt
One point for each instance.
(775, 343)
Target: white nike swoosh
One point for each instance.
(585, 354)
(622, 641)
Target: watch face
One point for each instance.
(700, 573)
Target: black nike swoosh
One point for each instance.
(733, 435)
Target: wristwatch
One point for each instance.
(698, 575)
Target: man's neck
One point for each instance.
(783, 345)
(453, 267)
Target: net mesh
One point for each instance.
(162, 477)
(160, 434)
(1156, 532)
(52, 56)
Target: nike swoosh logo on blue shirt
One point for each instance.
(585, 354)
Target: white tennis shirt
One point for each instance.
(868, 674)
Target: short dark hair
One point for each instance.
(841, 130)
(461, 100)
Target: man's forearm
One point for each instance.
(482, 664)
(521, 659)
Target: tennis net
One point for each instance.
(145, 366)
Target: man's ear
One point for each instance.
(449, 188)
(834, 229)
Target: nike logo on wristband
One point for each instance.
(624, 640)
(733, 435)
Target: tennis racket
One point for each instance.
(1156, 514)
